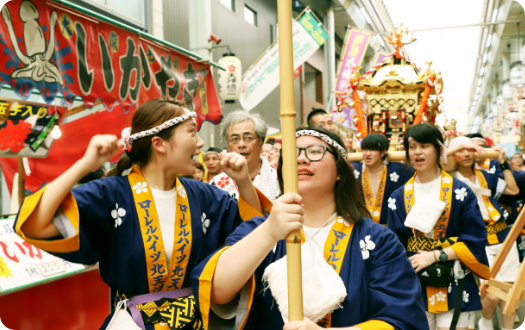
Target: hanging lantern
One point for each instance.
(230, 80)
(507, 91)
(517, 75)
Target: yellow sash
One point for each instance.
(159, 278)
(334, 252)
(486, 164)
(374, 208)
(494, 214)
(434, 305)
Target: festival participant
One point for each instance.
(266, 150)
(319, 118)
(149, 229)
(377, 177)
(487, 164)
(244, 132)
(517, 161)
(344, 253)
(199, 172)
(276, 150)
(436, 217)
(212, 160)
(484, 185)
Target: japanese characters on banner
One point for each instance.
(354, 49)
(57, 51)
(25, 127)
(22, 264)
(263, 77)
(230, 80)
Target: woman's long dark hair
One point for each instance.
(348, 201)
(150, 114)
(424, 133)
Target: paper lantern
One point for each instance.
(517, 76)
(507, 91)
(230, 80)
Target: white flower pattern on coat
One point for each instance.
(140, 187)
(394, 177)
(465, 296)
(366, 246)
(118, 214)
(440, 296)
(181, 191)
(446, 180)
(392, 204)
(377, 213)
(408, 187)
(461, 194)
(205, 223)
(432, 300)
(356, 174)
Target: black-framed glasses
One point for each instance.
(313, 153)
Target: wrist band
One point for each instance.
(504, 166)
(435, 258)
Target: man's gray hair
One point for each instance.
(239, 116)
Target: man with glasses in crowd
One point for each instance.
(244, 132)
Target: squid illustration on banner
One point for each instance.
(54, 50)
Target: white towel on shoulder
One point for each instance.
(424, 214)
(323, 289)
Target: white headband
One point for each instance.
(128, 138)
(323, 137)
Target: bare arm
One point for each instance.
(511, 188)
(237, 264)
(38, 225)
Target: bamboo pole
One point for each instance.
(400, 155)
(21, 181)
(289, 152)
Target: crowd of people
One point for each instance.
(385, 245)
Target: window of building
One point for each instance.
(230, 4)
(250, 15)
(131, 10)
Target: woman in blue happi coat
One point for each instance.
(345, 254)
(150, 228)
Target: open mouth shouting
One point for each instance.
(419, 161)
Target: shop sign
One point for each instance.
(22, 264)
(263, 77)
(25, 127)
(56, 50)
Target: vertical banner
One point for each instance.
(354, 49)
(379, 57)
(263, 77)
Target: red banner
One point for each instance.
(58, 51)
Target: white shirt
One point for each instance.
(431, 190)
(166, 205)
(319, 238)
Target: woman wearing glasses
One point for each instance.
(437, 218)
(355, 272)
